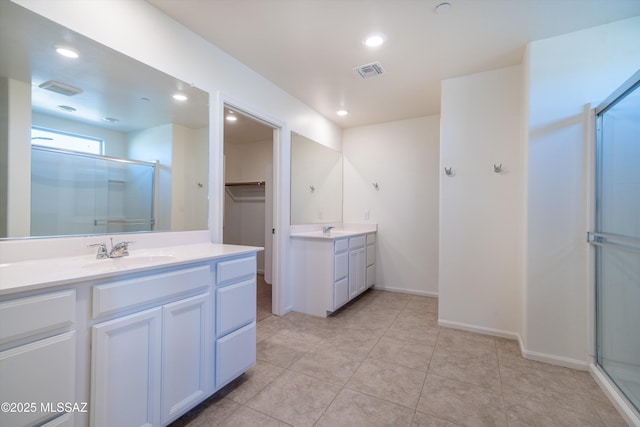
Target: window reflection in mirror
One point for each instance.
(106, 96)
(316, 182)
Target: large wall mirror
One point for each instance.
(94, 142)
(316, 182)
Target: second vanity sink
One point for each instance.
(130, 261)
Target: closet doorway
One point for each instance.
(248, 196)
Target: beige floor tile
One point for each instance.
(467, 365)
(359, 341)
(462, 403)
(422, 304)
(251, 382)
(552, 385)
(295, 398)
(330, 365)
(388, 381)
(247, 417)
(281, 351)
(462, 341)
(524, 412)
(353, 409)
(425, 420)
(409, 354)
(421, 334)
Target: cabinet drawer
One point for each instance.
(341, 267)
(371, 275)
(125, 294)
(340, 245)
(235, 306)
(371, 255)
(33, 315)
(357, 242)
(340, 293)
(228, 271)
(371, 239)
(41, 372)
(235, 353)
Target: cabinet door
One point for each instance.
(340, 293)
(357, 260)
(40, 372)
(185, 355)
(125, 371)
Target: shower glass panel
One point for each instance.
(617, 240)
(74, 193)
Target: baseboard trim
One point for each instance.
(626, 410)
(479, 329)
(406, 291)
(580, 365)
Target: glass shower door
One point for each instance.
(617, 240)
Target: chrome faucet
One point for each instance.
(102, 250)
(327, 228)
(117, 251)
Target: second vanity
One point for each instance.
(132, 341)
(331, 268)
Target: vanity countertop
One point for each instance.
(332, 235)
(43, 273)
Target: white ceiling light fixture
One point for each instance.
(231, 118)
(180, 97)
(67, 52)
(442, 8)
(66, 108)
(111, 120)
(375, 40)
(342, 112)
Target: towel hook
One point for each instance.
(312, 188)
(376, 186)
(497, 168)
(448, 171)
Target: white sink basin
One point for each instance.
(130, 261)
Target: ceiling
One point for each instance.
(310, 47)
(138, 96)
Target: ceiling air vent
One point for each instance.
(60, 87)
(369, 70)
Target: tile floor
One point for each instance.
(383, 361)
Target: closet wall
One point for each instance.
(481, 209)
(244, 205)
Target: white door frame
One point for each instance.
(281, 301)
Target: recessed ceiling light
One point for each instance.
(442, 8)
(66, 108)
(111, 120)
(375, 39)
(67, 52)
(231, 118)
(342, 112)
(180, 97)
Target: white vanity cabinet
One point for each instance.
(235, 322)
(37, 358)
(151, 366)
(329, 272)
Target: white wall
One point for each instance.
(480, 210)
(402, 157)
(15, 147)
(564, 74)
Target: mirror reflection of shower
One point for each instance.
(80, 193)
